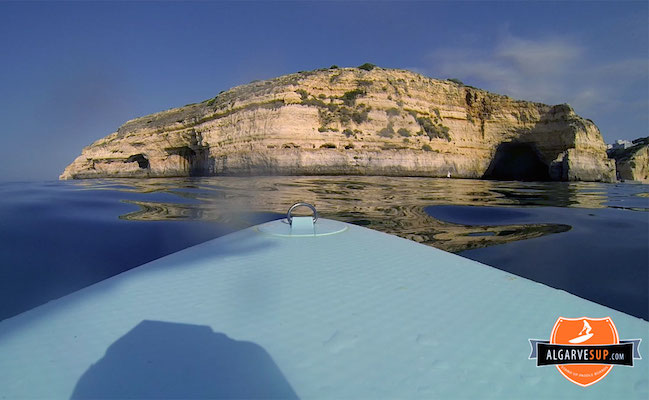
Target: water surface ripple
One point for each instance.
(589, 239)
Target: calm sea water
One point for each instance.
(588, 239)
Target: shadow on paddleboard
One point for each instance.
(169, 360)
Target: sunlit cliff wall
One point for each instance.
(354, 121)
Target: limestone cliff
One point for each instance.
(370, 121)
(633, 163)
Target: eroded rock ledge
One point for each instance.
(354, 121)
(632, 164)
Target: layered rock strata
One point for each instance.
(357, 122)
(632, 164)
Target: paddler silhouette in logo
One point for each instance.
(584, 350)
(592, 331)
(583, 336)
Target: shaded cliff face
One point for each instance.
(353, 121)
(632, 164)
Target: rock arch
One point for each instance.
(517, 161)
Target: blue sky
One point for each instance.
(72, 72)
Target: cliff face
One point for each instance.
(354, 121)
(633, 163)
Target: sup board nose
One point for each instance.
(302, 226)
(328, 310)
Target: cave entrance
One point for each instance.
(517, 162)
(193, 162)
(142, 161)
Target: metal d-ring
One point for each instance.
(289, 217)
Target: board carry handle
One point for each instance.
(289, 217)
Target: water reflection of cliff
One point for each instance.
(391, 205)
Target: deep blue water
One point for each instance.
(603, 257)
(591, 240)
(58, 237)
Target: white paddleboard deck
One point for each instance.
(351, 314)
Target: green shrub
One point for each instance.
(332, 112)
(413, 113)
(322, 129)
(334, 67)
(455, 80)
(349, 98)
(387, 132)
(303, 94)
(426, 147)
(363, 83)
(445, 132)
(349, 146)
(427, 126)
(391, 146)
(404, 132)
(348, 133)
(432, 130)
(326, 117)
(360, 116)
(367, 66)
(392, 112)
(328, 146)
(314, 102)
(345, 115)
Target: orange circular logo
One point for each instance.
(585, 331)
